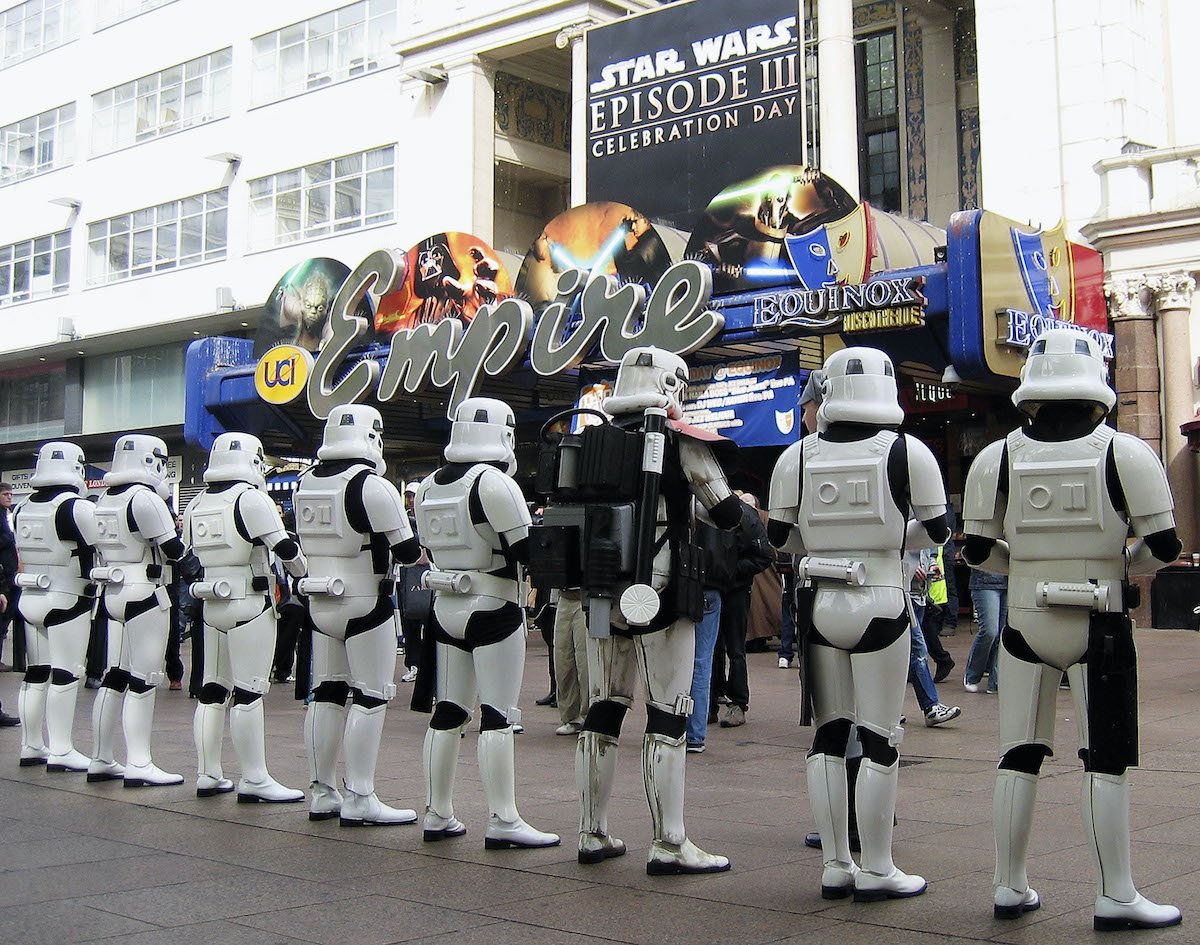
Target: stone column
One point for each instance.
(837, 93)
(1136, 363)
(1173, 299)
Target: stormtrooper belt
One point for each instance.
(471, 582)
(352, 585)
(64, 584)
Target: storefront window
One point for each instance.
(37, 144)
(133, 390)
(31, 403)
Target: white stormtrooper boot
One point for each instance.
(60, 718)
(106, 713)
(324, 723)
(875, 804)
(31, 707)
(247, 730)
(497, 770)
(361, 808)
(1012, 822)
(595, 771)
(671, 853)
(1119, 905)
(138, 719)
(830, 807)
(208, 731)
(439, 757)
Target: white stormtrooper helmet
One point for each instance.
(59, 464)
(354, 431)
(411, 487)
(484, 431)
(860, 387)
(237, 457)
(649, 377)
(139, 458)
(1063, 364)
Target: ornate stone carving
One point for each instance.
(1172, 290)
(1128, 297)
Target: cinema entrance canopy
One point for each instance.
(781, 269)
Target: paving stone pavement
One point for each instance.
(85, 863)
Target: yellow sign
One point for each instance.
(282, 373)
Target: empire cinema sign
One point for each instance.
(445, 354)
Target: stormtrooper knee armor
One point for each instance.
(352, 526)
(1051, 505)
(233, 528)
(135, 537)
(643, 587)
(55, 530)
(849, 499)
(473, 519)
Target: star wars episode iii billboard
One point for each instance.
(685, 99)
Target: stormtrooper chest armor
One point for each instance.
(215, 536)
(445, 528)
(1058, 502)
(845, 500)
(41, 550)
(324, 527)
(116, 541)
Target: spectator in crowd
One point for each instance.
(784, 564)
(718, 564)
(177, 587)
(936, 605)
(6, 720)
(919, 563)
(746, 551)
(989, 600)
(9, 565)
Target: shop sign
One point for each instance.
(1024, 327)
(871, 306)
(926, 397)
(281, 374)
(590, 310)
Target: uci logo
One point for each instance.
(282, 373)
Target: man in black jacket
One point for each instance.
(6, 721)
(733, 558)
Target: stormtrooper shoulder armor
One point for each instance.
(925, 489)
(384, 508)
(982, 514)
(784, 501)
(503, 504)
(703, 472)
(259, 517)
(151, 515)
(1143, 479)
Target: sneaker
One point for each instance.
(175, 686)
(410, 676)
(939, 714)
(784, 662)
(734, 717)
(518, 729)
(695, 748)
(569, 728)
(972, 686)
(944, 669)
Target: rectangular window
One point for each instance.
(182, 96)
(180, 233)
(109, 12)
(345, 193)
(878, 120)
(31, 28)
(37, 144)
(328, 48)
(33, 269)
(133, 390)
(32, 403)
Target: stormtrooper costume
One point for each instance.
(352, 524)
(652, 381)
(851, 499)
(472, 518)
(56, 532)
(233, 528)
(1051, 505)
(135, 536)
